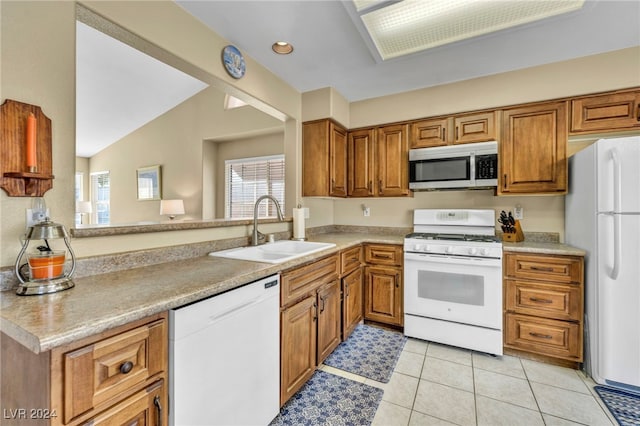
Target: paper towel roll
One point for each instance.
(298, 224)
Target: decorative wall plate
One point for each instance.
(233, 61)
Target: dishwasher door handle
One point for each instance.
(233, 309)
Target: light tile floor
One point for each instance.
(435, 384)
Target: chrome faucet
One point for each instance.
(256, 235)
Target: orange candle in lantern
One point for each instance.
(31, 142)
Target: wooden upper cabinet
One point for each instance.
(361, 166)
(324, 159)
(393, 160)
(533, 149)
(430, 133)
(617, 111)
(480, 127)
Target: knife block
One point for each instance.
(514, 237)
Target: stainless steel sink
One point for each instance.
(278, 252)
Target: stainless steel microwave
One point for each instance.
(473, 165)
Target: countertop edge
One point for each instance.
(543, 248)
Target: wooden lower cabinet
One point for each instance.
(352, 302)
(383, 295)
(544, 306)
(310, 321)
(297, 346)
(329, 319)
(143, 408)
(115, 377)
(383, 285)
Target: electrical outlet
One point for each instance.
(366, 211)
(518, 213)
(306, 212)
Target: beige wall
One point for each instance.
(259, 146)
(175, 141)
(38, 67)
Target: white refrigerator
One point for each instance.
(602, 216)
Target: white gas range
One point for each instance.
(453, 279)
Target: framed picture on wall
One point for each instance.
(149, 183)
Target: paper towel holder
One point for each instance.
(298, 234)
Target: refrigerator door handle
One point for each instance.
(617, 197)
(617, 247)
(617, 180)
(617, 244)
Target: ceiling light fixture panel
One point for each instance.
(415, 25)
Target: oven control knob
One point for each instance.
(417, 247)
(484, 251)
(449, 250)
(473, 251)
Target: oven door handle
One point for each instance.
(458, 260)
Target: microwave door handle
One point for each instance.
(472, 169)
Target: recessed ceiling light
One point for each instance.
(282, 47)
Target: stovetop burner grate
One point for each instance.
(454, 237)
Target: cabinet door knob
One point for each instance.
(126, 367)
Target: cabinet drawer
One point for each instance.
(298, 282)
(147, 407)
(383, 254)
(544, 336)
(563, 302)
(558, 269)
(350, 259)
(108, 369)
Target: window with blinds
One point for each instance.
(247, 179)
(100, 196)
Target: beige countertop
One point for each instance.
(543, 248)
(101, 302)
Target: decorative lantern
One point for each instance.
(46, 269)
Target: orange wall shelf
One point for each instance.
(15, 176)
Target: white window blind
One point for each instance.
(100, 196)
(247, 179)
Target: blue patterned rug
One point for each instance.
(327, 399)
(371, 352)
(625, 406)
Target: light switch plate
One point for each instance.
(306, 212)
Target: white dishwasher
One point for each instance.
(224, 358)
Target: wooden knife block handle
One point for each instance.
(514, 237)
